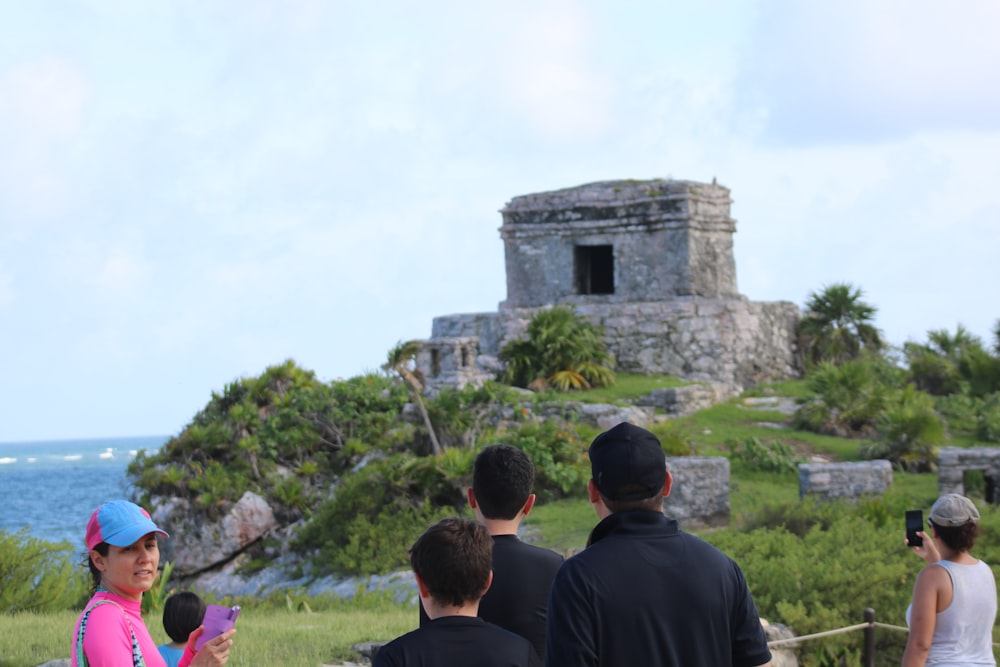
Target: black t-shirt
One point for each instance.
(519, 596)
(458, 641)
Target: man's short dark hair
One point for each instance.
(182, 614)
(454, 558)
(502, 479)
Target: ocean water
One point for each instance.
(52, 487)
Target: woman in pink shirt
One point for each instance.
(123, 559)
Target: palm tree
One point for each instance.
(837, 326)
(562, 350)
(400, 360)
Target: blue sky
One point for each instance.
(191, 192)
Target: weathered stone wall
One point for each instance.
(699, 497)
(669, 239)
(686, 400)
(829, 481)
(954, 461)
(450, 362)
(734, 342)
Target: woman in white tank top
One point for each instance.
(954, 601)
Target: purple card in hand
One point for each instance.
(218, 619)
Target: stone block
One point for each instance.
(851, 480)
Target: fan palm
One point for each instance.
(837, 325)
(562, 350)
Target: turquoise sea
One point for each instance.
(51, 487)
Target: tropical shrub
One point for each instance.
(561, 350)
(38, 576)
(908, 433)
(988, 427)
(259, 431)
(837, 326)
(960, 411)
(755, 454)
(377, 512)
(818, 566)
(849, 397)
(463, 416)
(951, 364)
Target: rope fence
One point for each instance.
(868, 656)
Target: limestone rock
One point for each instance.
(197, 545)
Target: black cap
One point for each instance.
(627, 463)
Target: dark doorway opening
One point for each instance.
(594, 269)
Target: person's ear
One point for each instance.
(98, 560)
(528, 504)
(489, 582)
(668, 484)
(471, 495)
(421, 586)
(592, 493)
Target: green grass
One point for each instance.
(627, 388)
(561, 525)
(264, 636)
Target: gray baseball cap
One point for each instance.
(952, 509)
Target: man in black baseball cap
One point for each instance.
(644, 592)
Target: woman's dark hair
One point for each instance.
(95, 574)
(959, 538)
(182, 614)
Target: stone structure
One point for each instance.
(699, 497)
(829, 481)
(651, 263)
(953, 462)
(683, 401)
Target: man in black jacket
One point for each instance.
(643, 592)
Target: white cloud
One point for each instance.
(863, 71)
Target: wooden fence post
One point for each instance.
(868, 659)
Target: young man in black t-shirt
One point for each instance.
(452, 563)
(503, 478)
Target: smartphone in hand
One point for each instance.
(218, 619)
(914, 522)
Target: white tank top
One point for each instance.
(963, 633)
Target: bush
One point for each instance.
(377, 512)
(988, 427)
(960, 411)
(259, 430)
(820, 565)
(36, 575)
(562, 351)
(909, 432)
(755, 454)
(850, 397)
(463, 416)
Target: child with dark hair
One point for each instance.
(452, 563)
(182, 614)
(503, 480)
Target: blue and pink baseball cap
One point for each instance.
(120, 523)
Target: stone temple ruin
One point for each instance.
(651, 263)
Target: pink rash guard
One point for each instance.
(108, 638)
